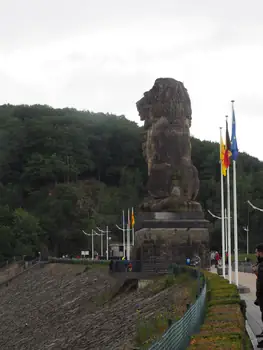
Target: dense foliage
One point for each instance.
(62, 170)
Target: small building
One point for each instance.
(116, 250)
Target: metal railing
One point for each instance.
(178, 336)
(244, 267)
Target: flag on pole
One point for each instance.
(129, 219)
(222, 156)
(228, 153)
(132, 219)
(234, 148)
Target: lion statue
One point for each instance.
(173, 182)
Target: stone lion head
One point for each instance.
(168, 98)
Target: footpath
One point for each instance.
(254, 324)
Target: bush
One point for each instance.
(224, 326)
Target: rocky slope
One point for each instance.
(63, 307)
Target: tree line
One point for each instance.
(63, 170)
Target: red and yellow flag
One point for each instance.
(222, 156)
(132, 219)
(228, 153)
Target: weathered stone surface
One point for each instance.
(172, 245)
(62, 307)
(171, 225)
(173, 182)
(163, 220)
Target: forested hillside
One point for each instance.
(62, 170)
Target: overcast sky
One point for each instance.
(102, 55)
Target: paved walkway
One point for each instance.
(254, 323)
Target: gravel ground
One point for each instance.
(61, 307)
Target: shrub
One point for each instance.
(224, 326)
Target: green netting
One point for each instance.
(179, 334)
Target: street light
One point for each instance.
(92, 242)
(247, 231)
(123, 229)
(219, 218)
(127, 248)
(101, 241)
(107, 239)
(254, 207)
(226, 242)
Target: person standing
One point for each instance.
(217, 258)
(259, 290)
(213, 258)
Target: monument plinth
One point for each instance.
(171, 222)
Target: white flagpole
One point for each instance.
(101, 244)
(229, 228)
(226, 234)
(229, 224)
(107, 242)
(128, 236)
(123, 233)
(92, 244)
(222, 213)
(235, 221)
(133, 228)
(235, 213)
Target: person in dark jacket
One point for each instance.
(259, 292)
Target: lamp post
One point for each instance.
(247, 231)
(223, 248)
(92, 242)
(124, 232)
(107, 239)
(101, 241)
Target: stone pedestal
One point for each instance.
(172, 237)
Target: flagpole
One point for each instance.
(226, 234)
(235, 221)
(229, 229)
(222, 212)
(123, 233)
(235, 213)
(128, 236)
(229, 226)
(226, 239)
(132, 227)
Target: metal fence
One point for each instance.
(178, 336)
(243, 267)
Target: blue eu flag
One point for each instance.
(234, 148)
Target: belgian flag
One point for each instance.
(222, 155)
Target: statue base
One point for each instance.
(170, 204)
(172, 237)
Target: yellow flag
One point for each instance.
(132, 219)
(222, 155)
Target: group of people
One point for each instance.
(122, 265)
(216, 258)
